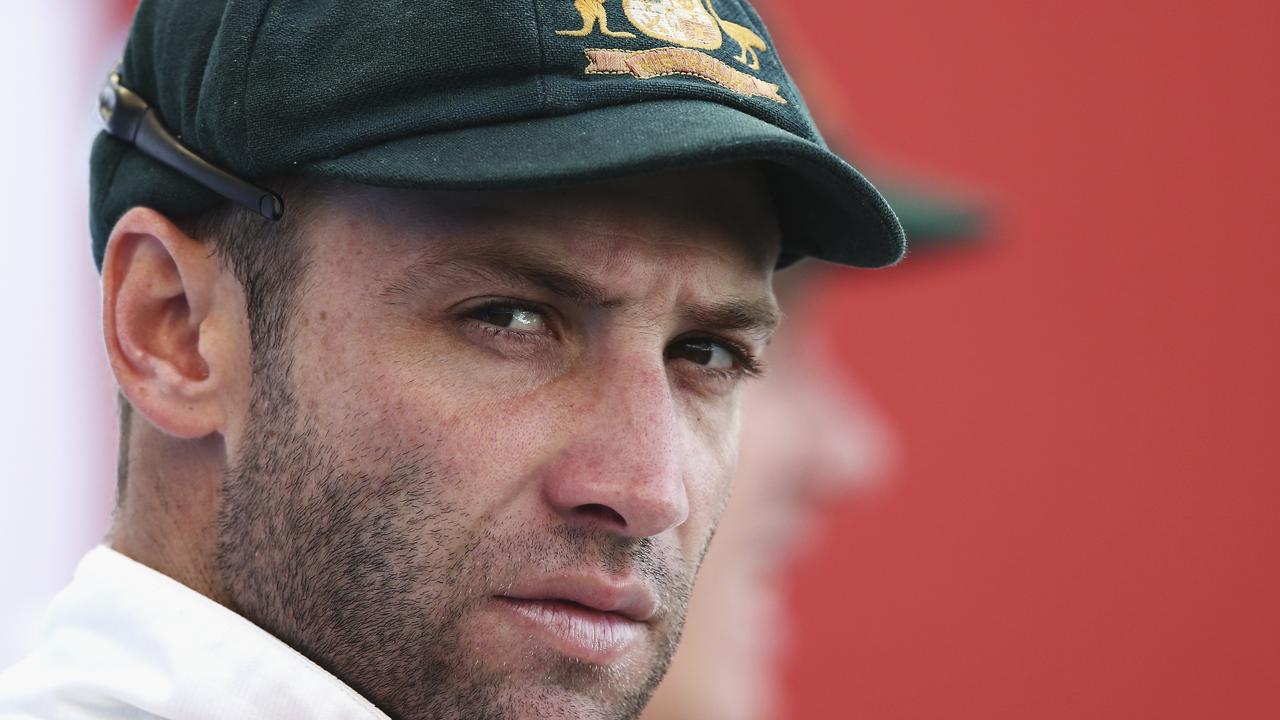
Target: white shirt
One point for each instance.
(124, 641)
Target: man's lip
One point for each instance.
(588, 635)
(629, 598)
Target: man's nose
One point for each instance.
(622, 471)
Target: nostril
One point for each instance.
(603, 513)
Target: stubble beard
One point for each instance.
(354, 558)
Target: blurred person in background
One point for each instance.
(810, 436)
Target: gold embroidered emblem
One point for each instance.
(683, 22)
(593, 13)
(748, 41)
(660, 62)
(690, 23)
(693, 24)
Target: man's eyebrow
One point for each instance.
(756, 316)
(561, 281)
(521, 267)
(509, 265)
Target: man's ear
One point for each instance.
(162, 295)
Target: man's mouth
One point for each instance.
(584, 618)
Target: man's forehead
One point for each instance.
(611, 246)
(725, 209)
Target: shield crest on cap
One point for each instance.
(684, 22)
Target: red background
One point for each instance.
(1086, 521)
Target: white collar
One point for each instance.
(125, 636)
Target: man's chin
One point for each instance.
(518, 697)
(546, 702)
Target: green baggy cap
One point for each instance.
(479, 95)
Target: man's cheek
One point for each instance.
(712, 459)
(482, 442)
(712, 434)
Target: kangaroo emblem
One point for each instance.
(747, 40)
(691, 23)
(593, 12)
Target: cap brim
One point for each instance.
(827, 209)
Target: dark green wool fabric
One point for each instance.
(479, 95)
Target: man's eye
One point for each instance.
(711, 355)
(512, 317)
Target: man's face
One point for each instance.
(479, 476)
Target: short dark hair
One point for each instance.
(269, 260)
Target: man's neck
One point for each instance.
(166, 516)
